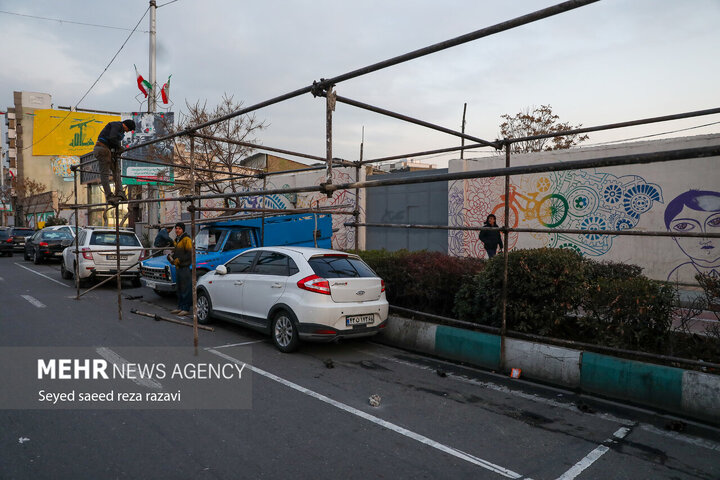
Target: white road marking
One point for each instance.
(237, 344)
(378, 421)
(116, 359)
(34, 301)
(42, 275)
(547, 401)
(591, 457)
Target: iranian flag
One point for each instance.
(165, 91)
(143, 84)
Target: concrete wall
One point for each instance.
(628, 197)
(690, 393)
(422, 203)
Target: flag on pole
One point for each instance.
(142, 84)
(165, 91)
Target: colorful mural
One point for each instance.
(695, 211)
(61, 166)
(584, 200)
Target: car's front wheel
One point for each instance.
(25, 254)
(284, 332)
(204, 307)
(37, 258)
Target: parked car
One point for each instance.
(6, 243)
(18, 235)
(98, 257)
(46, 244)
(295, 293)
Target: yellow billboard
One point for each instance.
(61, 132)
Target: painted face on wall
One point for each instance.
(703, 251)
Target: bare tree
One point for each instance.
(27, 187)
(215, 155)
(538, 121)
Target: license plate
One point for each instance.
(114, 257)
(351, 320)
(150, 284)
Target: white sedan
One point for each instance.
(295, 293)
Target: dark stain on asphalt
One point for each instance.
(646, 452)
(368, 365)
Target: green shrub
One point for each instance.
(51, 221)
(632, 312)
(545, 290)
(425, 281)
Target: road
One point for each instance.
(435, 419)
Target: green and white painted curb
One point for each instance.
(686, 392)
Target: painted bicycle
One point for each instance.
(551, 210)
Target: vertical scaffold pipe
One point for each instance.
(192, 238)
(117, 259)
(506, 255)
(329, 107)
(76, 267)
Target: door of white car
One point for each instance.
(265, 285)
(226, 291)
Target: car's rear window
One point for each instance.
(340, 267)
(56, 235)
(4, 234)
(108, 238)
(23, 232)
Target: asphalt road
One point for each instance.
(311, 421)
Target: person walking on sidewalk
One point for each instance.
(106, 151)
(182, 259)
(491, 239)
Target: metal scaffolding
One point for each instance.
(325, 88)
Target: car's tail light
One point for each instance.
(43, 244)
(87, 254)
(143, 255)
(9, 240)
(316, 284)
(382, 285)
(321, 331)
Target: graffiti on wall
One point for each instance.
(61, 166)
(696, 211)
(582, 200)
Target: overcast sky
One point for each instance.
(607, 62)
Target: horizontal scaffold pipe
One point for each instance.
(635, 159)
(200, 169)
(571, 231)
(610, 126)
(416, 121)
(271, 149)
(323, 84)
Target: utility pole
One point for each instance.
(152, 99)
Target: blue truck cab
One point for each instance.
(219, 242)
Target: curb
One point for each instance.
(686, 392)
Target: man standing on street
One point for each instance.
(182, 259)
(106, 152)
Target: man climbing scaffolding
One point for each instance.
(107, 153)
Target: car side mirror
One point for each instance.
(221, 270)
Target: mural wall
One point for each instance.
(677, 196)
